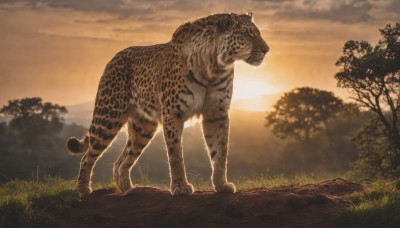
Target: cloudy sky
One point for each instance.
(58, 49)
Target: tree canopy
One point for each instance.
(372, 75)
(28, 107)
(302, 111)
(32, 139)
(33, 118)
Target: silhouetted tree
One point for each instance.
(33, 139)
(32, 118)
(302, 111)
(372, 75)
(376, 158)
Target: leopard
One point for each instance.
(144, 88)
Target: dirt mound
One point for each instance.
(314, 205)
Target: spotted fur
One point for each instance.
(167, 84)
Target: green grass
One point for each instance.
(377, 206)
(35, 203)
(265, 181)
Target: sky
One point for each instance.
(58, 49)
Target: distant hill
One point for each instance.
(80, 113)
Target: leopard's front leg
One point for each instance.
(173, 127)
(216, 133)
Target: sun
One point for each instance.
(247, 89)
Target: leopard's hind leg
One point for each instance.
(100, 137)
(110, 114)
(140, 132)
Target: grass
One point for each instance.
(37, 203)
(265, 181)
(377, 206)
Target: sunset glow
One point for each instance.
(58, 51)
(248, 89)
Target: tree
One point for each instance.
(303, 111)
(372, 75)
(28, 107)
(376, 157)
(32, 118)
(33, 140)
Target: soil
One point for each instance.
(313, 205)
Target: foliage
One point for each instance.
(377, 206)
(32, 143)
(303, 111)
(372, 74)
(377, 158)
(33, 119)
(46, 156)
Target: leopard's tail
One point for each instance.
(78, 146)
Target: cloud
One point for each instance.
(345, 11)
(394, 6)
(140, 9)
(122, 8)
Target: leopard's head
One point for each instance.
(240, 39)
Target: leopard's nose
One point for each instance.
(265, 49)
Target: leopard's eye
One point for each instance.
(250, 33)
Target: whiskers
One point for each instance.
(264, 27)
(244, 54)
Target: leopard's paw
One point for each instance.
(227, 187)
(84, 191)
(182, 190)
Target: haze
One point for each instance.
(58, 49)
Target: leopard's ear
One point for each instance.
(225, 24)
(249, 15)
